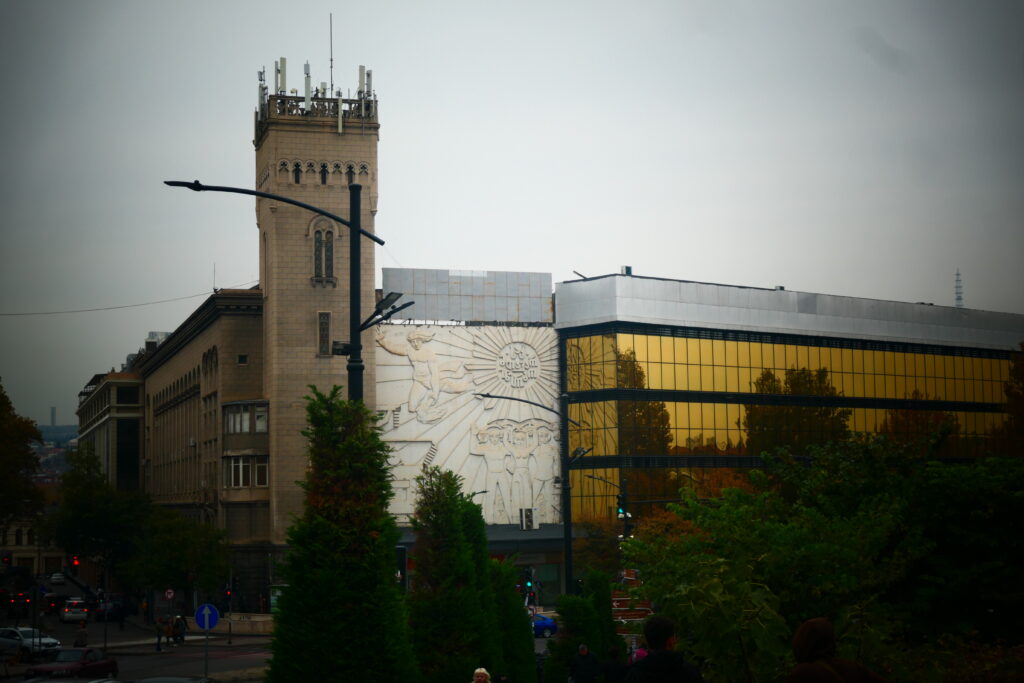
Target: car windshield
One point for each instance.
(29, 633)
(68, 656)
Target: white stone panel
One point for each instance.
(506, 451)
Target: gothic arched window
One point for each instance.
(297, 172)
(323, 255)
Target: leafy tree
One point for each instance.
(19, 496)
(445, 587)
(895, 549)
(794, 427)
(176, 551)
(93, 519)
(340, 569)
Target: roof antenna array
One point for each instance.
(331, 23)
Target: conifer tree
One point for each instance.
(341, 616)
(446, 616)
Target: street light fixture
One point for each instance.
(566, 462)
(353, 348)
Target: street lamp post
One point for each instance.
(353, 349)
(566, 460)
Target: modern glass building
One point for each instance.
(673, 383)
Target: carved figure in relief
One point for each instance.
(521, 459)
(431, 376)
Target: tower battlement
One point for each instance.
(318, 104)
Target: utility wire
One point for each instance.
(114, 308)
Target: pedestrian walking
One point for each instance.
(584, 667)
(662, 663)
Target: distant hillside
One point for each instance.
(59, 434)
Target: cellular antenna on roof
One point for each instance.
(331, 24)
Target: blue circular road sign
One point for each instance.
(207, 616)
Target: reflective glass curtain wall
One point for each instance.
(666, 407)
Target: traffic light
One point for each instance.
(7, 559)
(74, 561)
(621, 505)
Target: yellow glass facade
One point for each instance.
(754, 395)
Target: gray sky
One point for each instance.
(865, 148)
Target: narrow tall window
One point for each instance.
(324, 333)
(318, 254)
(323, 174)
(297, 173)
(329, 254)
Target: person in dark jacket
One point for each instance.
(584, 667)
(662, 664)
(814, 645)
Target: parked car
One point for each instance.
(544, 627)
(53, 603)
(19, 603)
(74, 610)
(57, 579)
(86, 662)
(27, 642)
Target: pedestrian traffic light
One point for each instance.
(74, 560)
(621, 505)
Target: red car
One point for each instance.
(83, 662)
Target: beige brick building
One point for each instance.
(222, 397)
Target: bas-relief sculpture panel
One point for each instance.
(427, 380)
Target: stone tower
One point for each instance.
(309, 148)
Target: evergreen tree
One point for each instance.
(515, 632)
(475, 529)
(19, 496)
(446, 616)
(341, 616)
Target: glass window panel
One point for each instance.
(767, 356)
(640, 346)
(869, 385)
(890, 387)
(682, 415)
(889, 358)
(813, 358)
(756, 360)
(667, 350)
(693, 379)
(801, 357)
(624, 342)
(960, 390)
(868, 358)
(607, 347)
(693, 351)
(682, 378)
(975, 368)
(780, 356)
(707, 378)
(836, 363)
(607, 375)
(260, 419)
(858, 384)
(949, 366)
(743, 354)
(654, 349)
(929, 365)
(732, 379)
(706, 356)
(901, 387)
(719, 371)
(746, 384)
(858, 360)
(847, 360)
(901, 363)
(848, 384)
(679, 350)
(695, 420)
(731, 353)
(1003, 370)
(718, 351)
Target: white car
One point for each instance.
(74, 610)
(27, 641)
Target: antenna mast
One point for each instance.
(959, 290)
(330, 22)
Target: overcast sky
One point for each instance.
(863, 148)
